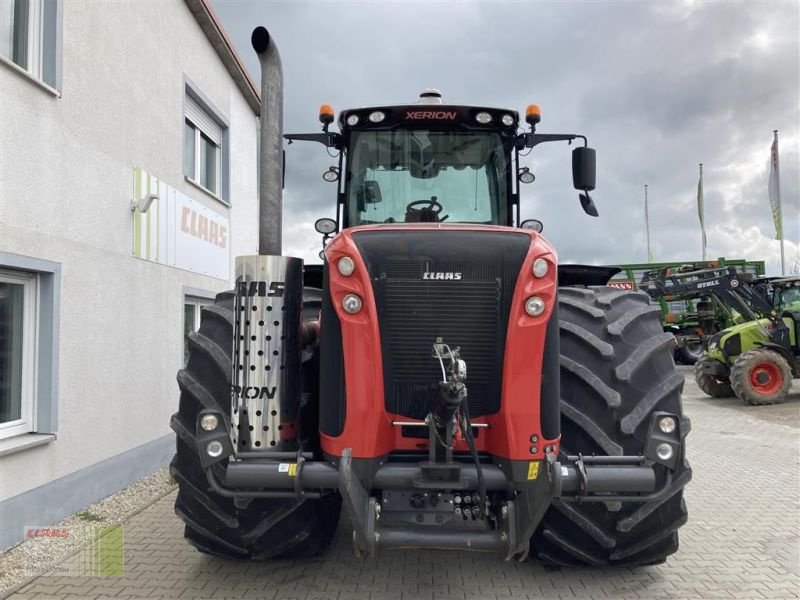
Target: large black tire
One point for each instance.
(689, 354)
(616, 370)
(761, 377)
(258, 529)
(712, 385)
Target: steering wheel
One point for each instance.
(425, 211)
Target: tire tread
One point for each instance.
(607, 398)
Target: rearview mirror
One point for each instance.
(368, 192)
(372, 192)
(583, 169)
(588, 205)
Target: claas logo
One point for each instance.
(259, 288)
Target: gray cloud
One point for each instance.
(657, 87)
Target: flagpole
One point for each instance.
(780, 222)
(647, 225)
(702, 216)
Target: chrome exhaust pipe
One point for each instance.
(270, 169)
(266, 381)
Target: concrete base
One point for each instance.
(53, 501)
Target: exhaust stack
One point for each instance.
(268, 301)
(270, 169)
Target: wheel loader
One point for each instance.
(441, 381)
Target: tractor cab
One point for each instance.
(436, 163)
(786, 294)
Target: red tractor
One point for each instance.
(441, 379)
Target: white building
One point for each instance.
(102, 105)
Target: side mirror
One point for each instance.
(534, 224)
(588, 205)
(583, 169)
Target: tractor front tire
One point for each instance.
(255, 528)
(616, 370)
(713, 386)
(689, 354)
(761, 377)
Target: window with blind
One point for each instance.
(204, 142)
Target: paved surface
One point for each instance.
(742, 540)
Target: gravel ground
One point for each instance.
(34, 557)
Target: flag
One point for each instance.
(775, 188)
(701, 209)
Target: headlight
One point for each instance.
(209, 422)
(484, 118)
(346, 266)
(666, 424)
(508, 120)
(534, 306)
(351, 304)
(214, 449)
(352, 120)
(376, 117)
(664, 451)
(540, 267)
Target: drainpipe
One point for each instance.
(270, 169)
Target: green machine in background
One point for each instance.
(692, 318)
(757, 360)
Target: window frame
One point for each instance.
(222, 150)
(30, 353)
(497, 169)
(43, 45)
(197, 298)
(197, 163)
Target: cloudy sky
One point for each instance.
(656, 87)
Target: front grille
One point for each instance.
(470, 312)
(415, 313)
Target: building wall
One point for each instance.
(66, 183)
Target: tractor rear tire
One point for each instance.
(716, 387)
(254, 528)
(616, 370)
(761, 377)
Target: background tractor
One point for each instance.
(720, 297)
(757, 360)
(431, 380)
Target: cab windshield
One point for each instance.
(788, 299)
(415, 175)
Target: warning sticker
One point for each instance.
(533, 470)
(288, 468)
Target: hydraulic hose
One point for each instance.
(470, 439)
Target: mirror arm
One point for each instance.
(329, 139)
(529, 140)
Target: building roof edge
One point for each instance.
(215, 32)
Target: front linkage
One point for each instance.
(435, 493)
